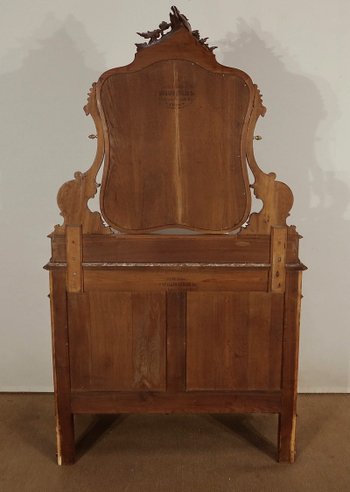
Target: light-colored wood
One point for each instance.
(278, 259)
(74, 259)
(276, 196)
(73, 196)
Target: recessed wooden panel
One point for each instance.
(117, 341)
(174, 153)
(234, 340)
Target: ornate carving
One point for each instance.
(277, 201)
(203, 41)
(276, 196)
(153, 36)
(176, 20)
(73, 196)
(72, 199)
(91, 102)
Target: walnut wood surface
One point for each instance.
(167, 402)
(117, 340)
(177, 248)
(175, 129)
(149, 322)
(158, 279)
(288, 415)
(176, 308)
(61, 369)
(160, 170)
(234, 340)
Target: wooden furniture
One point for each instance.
(147, 321)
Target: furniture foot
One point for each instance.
(65, 439)
(286, 437)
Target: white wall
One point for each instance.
(297, 53)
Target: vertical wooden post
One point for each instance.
(60, 352)
(74, 250)
(278, 259)
(287, 417)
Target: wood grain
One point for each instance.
(166, 402)
(276, 196)
(73, 196)
(234, 341)
(180, 279)
(74, 253)
(288, 415)
(173, 248)
(147, 321)
(176, 340)
(117, 340)
(278, 259)
(177, 248)
(169, 124)
(61, 370)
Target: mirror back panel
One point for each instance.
(175, 156)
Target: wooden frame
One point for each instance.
(145, 322)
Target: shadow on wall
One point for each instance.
(45, 132)
(44, 99)
(296, 145)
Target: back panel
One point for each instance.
(174, 152)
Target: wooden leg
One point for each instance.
(287, 417)
(65, 437)
(60, 357)
(286, 437)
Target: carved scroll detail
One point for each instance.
(176, 20)
(276, 196)
(73, 196)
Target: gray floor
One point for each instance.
(175, 453)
